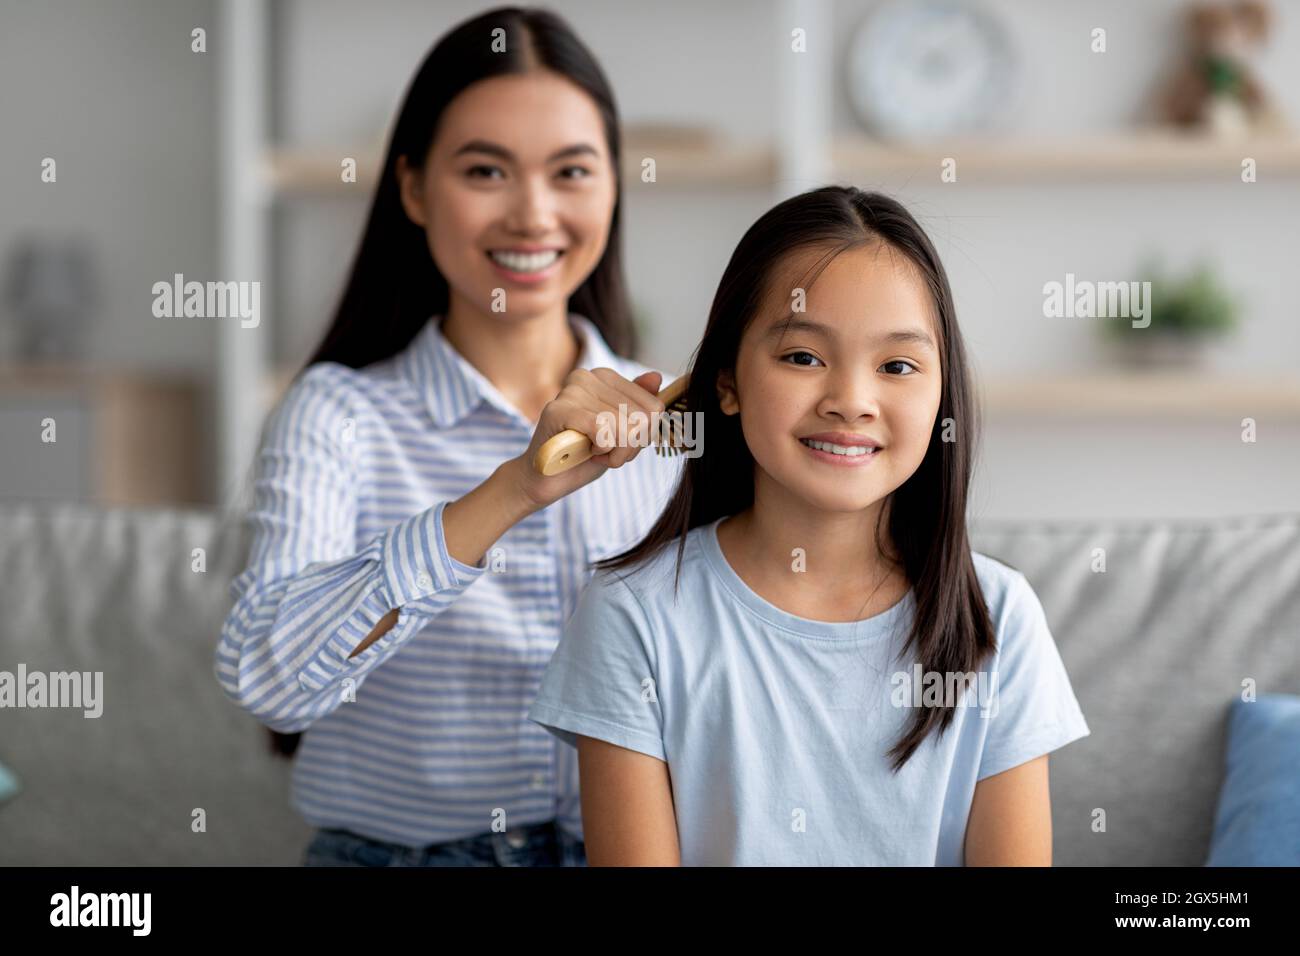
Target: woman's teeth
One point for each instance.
(852, 451)
(525, 261)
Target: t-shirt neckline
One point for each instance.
(871, 627)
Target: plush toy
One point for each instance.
(1216, 90)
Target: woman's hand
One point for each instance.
(585, 396)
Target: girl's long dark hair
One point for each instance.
(395, 286)
(952, 632)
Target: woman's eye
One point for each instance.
(583, 172)
(796, 354)
(903, 363)
(474, 171)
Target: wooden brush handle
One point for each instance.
(571, 447)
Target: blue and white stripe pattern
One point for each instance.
(354, 470)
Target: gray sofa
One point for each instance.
(1156, 647)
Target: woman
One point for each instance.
(410, 573)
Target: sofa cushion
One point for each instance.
(1258, 819)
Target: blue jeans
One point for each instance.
(534, 844)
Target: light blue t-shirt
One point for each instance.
(775, 728)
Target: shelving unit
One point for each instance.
(806, 150)
(1139, 155)
(245, 227)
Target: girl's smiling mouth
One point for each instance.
(850, 456)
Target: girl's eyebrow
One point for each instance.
(493, 149)
(792, 323)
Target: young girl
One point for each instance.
(410, 572)
(821, 671)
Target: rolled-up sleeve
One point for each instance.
(310, 594)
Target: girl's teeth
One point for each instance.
(851, 451)
(525, 261)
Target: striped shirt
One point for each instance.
(423, 737)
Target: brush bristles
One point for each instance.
(668, 441)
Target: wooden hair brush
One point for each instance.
(571, 447)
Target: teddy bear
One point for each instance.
(1216, 91)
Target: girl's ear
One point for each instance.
(727, 397)
(410, 186)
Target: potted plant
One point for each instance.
(1185, 315)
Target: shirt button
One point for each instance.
(539, 780)
(423, 581)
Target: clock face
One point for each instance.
(936, 68)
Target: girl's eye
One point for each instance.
(793, 354)
(902, 362)
(473, 171)
(583, 170)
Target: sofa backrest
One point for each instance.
(1156, 647)
(85, 589)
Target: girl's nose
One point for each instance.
(850, 394)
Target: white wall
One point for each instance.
(112, 90)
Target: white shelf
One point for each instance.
(1135, 155)
(289, 172)
(1168, 395)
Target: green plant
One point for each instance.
(1194, 306)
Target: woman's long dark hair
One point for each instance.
(952, 632)
(395, 286)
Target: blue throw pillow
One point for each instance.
(8, 784)
(1258, 819)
